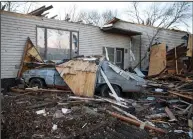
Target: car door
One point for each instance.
(58, 80)
(49, 77)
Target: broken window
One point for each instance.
(56, 44)
(110, 53)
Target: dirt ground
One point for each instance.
(84, 120)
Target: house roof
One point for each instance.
(115, 19)
(111, 29)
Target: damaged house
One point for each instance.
(126, 42)
(47, 52)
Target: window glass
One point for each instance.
(54, 44)
(58, 44)
(41, 41)
(110, 53)
(74, 44)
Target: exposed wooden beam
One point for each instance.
(34, 11)
(134, 122)
(43, 15)
(53, 16)
(41, 10)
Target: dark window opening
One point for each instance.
(119, 56)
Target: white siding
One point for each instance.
(15, 29)
(171, 38)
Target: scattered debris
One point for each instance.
(41, 111)
(86, 99)
(126, 113)
(82, 122)
(158, 90)
(54, 127)
(137, 123)
(58, 114)
(84, 125)
(170, 114)
(156, 116)
(65, 111)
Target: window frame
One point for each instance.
(46, 41)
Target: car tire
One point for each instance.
(104, 91)
(37, 82)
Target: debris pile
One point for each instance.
(169, 98)
(62, 115)
(25, 116)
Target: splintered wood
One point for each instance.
(30, 55)
(79, 75)
(157, 59)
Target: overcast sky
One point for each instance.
(121, 7)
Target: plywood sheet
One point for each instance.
(190, 46)
(80, 76)
(157, 59)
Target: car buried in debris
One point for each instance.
(120, 80)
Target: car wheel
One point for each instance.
(104, 91)
(37, 82)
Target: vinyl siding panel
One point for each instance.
(171, 38)
(15, 29)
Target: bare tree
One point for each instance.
(94, 17)
(21, 7)
(160, 15)
(69, 14)
(168, 15)
(90, 17)
(108, 15)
